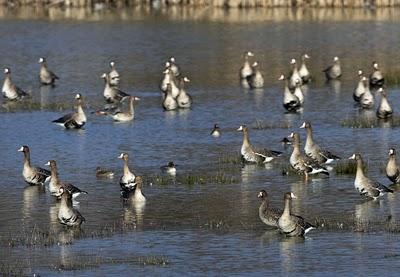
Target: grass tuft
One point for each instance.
(260, 124)
(366, 122)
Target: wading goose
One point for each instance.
(74, 120)
(334, 71)
(46, 76)
(128, 179)
(114, 75)
(246, 70)
(292, 225)
(268, 214)
(290, 101)
(111, 93)
(313, 150)
(250, 155)
(303, 164)
(174, 67)
(303, 71)
(360, 89)
(216, 132)
(364, 185)
(67, 214)
(184, 99)
(138, 194)
(33, 175)
(376, 78)
(119, 115)
(294, 76)
(392, 169)
(170, 168)
(256, 80)
(9, 90)
(104, 173)
(384, 110)
(367, 99)
(169, 102)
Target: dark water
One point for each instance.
(213, 227)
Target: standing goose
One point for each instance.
(184, 99)
(215, 132)
(111, 93)
(256, 80)
(250, 155)
(376, 78)
(313, 150)
(138, 194)
(128, 179)
(360, 89)
(292, 225)
(334, 71)
(74, 120)
(303, 164)
(46, 76)
(392, 169)
(169, 102)
(9, 90)
(33, 175)
(268, 214)
(384, 110)
(67, 214)
(114, 75)
(367, 99)
(364, 185)
(290, 101)
(174, 67)
(120, 116)
(246, 70)
(303, 71)
(294, 76)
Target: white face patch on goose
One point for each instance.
(250, 54)
(6, 70)
(260, 194)
(391, 151)
(303, 125)
(121, 156)
(112, 63)
(240, 128)
(186, 79)
(292, 195)
(282, 77)
(41, 60)
(172, 59)
(360, 72)
(291, 135)
(21, 149)
(335, 59)
(48, 163)
(78, 96)
(353, 157)
(306, 56)
(292, 61)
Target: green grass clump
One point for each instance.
(348, 167)
(230, 158)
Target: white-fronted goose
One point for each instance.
(290, 101)
(67, 214)
(304, 164)
(294, 77)
(376, 78)
(268, 214)
(74, 120)
(367, 100)
(46, 76)
(112, 93)
(33, 175)
(169, 102)
(184, 99)
(256, 80)
(104, 173)
(392, 169)
(384, 110)
(216, 131)
(303, 71)
(254, 156)
(170, 168)
(120, 116)
(128, 179)
(364, 185)
(313, 150)
(360, 89)
(138, 195)
(114, 75)
(246, 70)
(174, 67)
(292, 225)
(333, 71)
(9, 90)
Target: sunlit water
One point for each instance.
(202, 228)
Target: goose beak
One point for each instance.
(303, 125)
(293, 196)
(353, 157)
(21, 149)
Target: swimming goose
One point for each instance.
(174, 67)
(304, 164)
(169, 102)
(256, 80)
(67, 214)
(112, 93)
(9, 90)
(250, 155)
(33, 175)
(128, 179)
(360, 89)
(290, 101)
(74, 120)
(334, 71)
(268, 214)
(114, 75)
(292, 225)
(384, 110)
(367, 99)
(364, 185)
(184, 99)
(294, 76)
(104, 173)
(246, 70)
(138, 194)
(120, 116)
(313, 150)
(170, 168)
(46, 76)
(392, 169)
(303, 71)
(298, 92)
(215, 132)
(376, 78)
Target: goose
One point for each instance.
(333, 71)
(167, 77)
(367, 99)
(294, 76)
(174, 67)
(184, 99)
(246, 70)
(360, 89)
(292, 225)
(138, 195)
(169, 102)
(392, 169)
(128, 179)
(268, 214)
(104, 173)
(46, 76)
(170, 168)
(250, 155)
(290, 101)
(298, 92)
(113, 74)
(384, 110)
(285, 141)
(111, 93)
(67, 214)
(216, 131)
(256, 80)
(376, 78)
(313, 150)
(303, 71)
(304, 164)
(9, 90)
(74, 120)
(117, 115)
(364, 185)
(33, 175)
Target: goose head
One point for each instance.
(262, 194)
(305, 56)
(171, 165)
(51, 163)
(293, 61)
(7, 70)
(24, 149)
(382, 92)
(172, 60)
(375, 66)
(305, 125)
(255, 64)
(123, 156)
(186, 79)
(112, 64)
(335, 59)
(355, 156)
(249, 54)
(78, 96)
(242, 128)
(359, 72)
(282, 77)
(392, 152)
(289, 196)
(42, 60)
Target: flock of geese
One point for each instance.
(174, 96)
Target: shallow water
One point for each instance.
(198, 228)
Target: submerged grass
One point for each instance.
(366, 122)
(348, 167)
(193, 179)
(261, 124)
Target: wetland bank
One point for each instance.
(205, 220)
